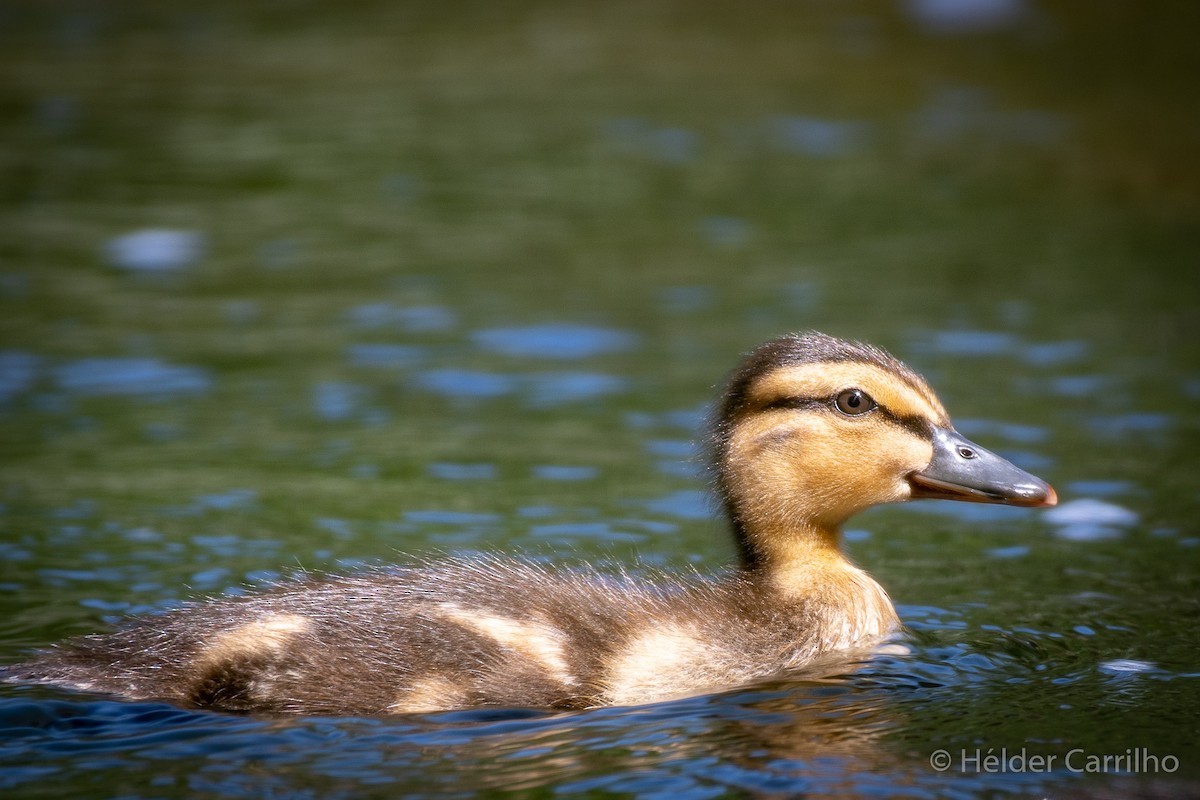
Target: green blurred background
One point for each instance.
(353, 201)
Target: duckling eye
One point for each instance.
(854, 402)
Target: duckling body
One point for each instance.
(811, 430)
(461, 633)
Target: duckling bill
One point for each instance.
(809, 431)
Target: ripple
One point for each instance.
(1080, 385)
(436, 517)
(464, 383)
(18, 371)
(209, 578)
(968, 343)
(1015, 551)
(414, 319)
(666, 145)
(462, 472)
(672, 448)
(1124, 666)
(155, 250)
(957, 17)
(1088, 533)
(1118, 426)
(1091, 512)
(1102, 488)
(816, 137)
(551, 472)
(63, 577)
(728, 232)
(337, 401)
(683, 504)
(233, 499)
(548, 389)
(966, 512)
(564, 342)
(1021, 434)
(600, 531)
(384, 355)
(1055, 354)
(147, 377)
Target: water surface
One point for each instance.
(304, 287)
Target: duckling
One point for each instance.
(810, 431)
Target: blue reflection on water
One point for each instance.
(563, 341)
(147, 377)
(592, 531)
(451, 518)
(462, 472)
(1090, 520)
(1126, 666)
(547, 389)
(18, 371)
(384, 355)
(1081, 385)
(232, 499)
(816, 137)
(340, 528)
(673, 448)
(156, 250)
(1054, 354)
(1100, 488)
(414, 319)
(1087, 510)
(966, 512)
(966, 343)
(337, 401)
(956, 17)
(684, 504)
(465, 383)
(552, 472)
(540, 389)
(1015, 551)
(965, 115)
(670, 145)
(1021, 434)
(1120, 426)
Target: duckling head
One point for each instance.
(812, 430)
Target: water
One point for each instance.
(321, 288)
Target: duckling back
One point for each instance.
(451, 634)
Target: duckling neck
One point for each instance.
(787, 557)
(805, 565)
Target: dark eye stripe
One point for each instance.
(913, 423)
(795, 402)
